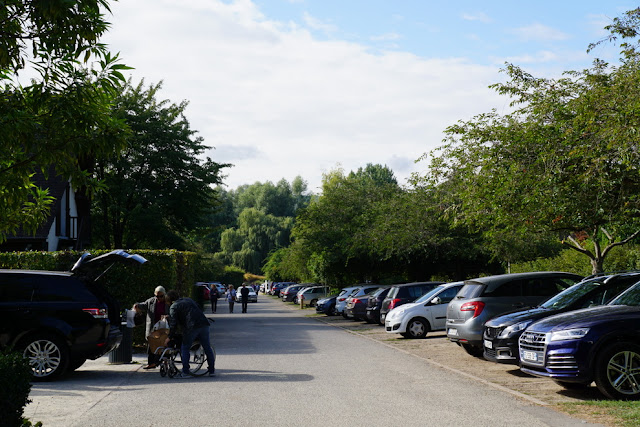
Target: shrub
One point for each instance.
(15, 377)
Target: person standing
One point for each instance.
(185, 314)
(244, 297)
(155, 308)
(231, 298)
(214, 294)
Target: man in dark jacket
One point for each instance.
(185, 314)
(244, 296)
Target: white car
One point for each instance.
(427, 313)
(253, 297)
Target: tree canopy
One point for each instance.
(62, 118)
(159, 188)
(565, 161)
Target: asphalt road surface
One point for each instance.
(278, 367)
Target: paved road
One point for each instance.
(277, 367)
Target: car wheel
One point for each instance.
(332, 311)
(313, 303)
(344, 314)
(473, 351)
(617, 372)
(572, 386)
(417, 328)
(48, 356)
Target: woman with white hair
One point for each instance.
(155, 308)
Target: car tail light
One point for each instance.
(475, 306)
(98, 313)
(394, 302)
(341, 299)
(356, 301)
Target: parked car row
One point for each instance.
(558, 325)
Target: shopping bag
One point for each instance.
(157, 338)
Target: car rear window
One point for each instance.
(470, 290)
(62, 289)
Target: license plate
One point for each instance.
(530, 355)
(488, 344)
(452, 331)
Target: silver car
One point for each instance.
(341, 300)
(483, 298)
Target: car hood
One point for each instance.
(93, 267)
(403, 308)
(584, 318)
(514, 317)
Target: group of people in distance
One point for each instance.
(231, 297)
(184, 315)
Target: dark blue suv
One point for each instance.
(600, 344)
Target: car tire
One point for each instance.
(313, 303)
(615, 369)
(331, 311)
(416, 328)
(344, 314)
(48, 356)
(473, 351)
(572, 386)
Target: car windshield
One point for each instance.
(629, 297)
(429, 295)
(571, 294)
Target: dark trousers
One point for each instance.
(244, 304)
(152, 358)
(201, 334)
(231, 306)
(214, 304)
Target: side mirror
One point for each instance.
(435, 301)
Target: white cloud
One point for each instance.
(316, 24)
(276, 102)
(480, 16)
(539, 32)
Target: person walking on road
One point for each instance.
(187, 315)
(231, 298)
(244, 295)
(214, 294)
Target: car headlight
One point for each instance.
(513, 329)
(396, 313)
(568, 334)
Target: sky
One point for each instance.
(286, 88)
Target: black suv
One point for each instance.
(593, 344)
(58, 320)
(402, 294)
(502, 332)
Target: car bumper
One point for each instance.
(561, 360)
(501, 350)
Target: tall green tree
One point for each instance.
(565, 161)
(336, 226)
(159, 188)
(257, 234)
(61, 118)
